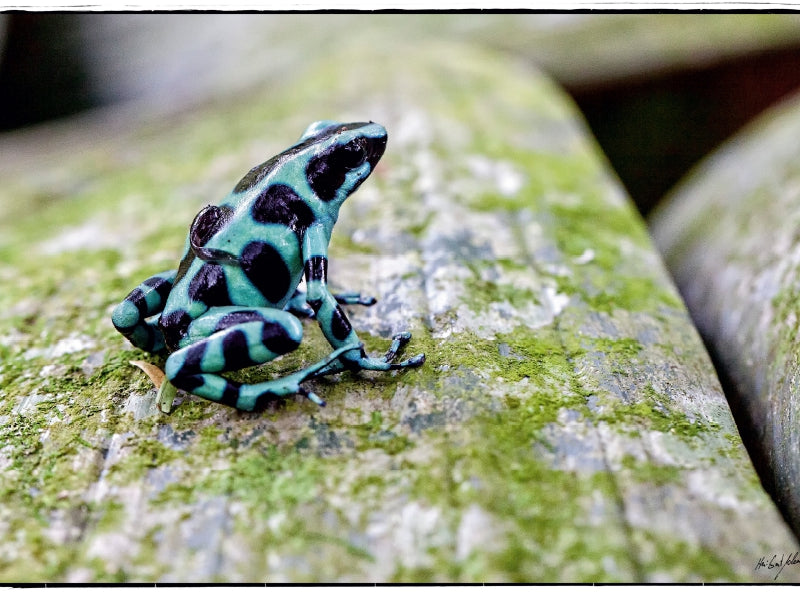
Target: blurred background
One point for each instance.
(658, 91)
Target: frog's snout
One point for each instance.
(375, 148)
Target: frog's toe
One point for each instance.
(355, 298)
(304, 311)
(413, 362)
(399, 341)
(311, 396)
(416, 361)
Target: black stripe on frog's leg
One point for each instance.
(234, 350)
(130, 312)
(273, 335)
(316, 269)
(222, 390)
(265, 268)
(147, 300)
(340, 324)
(229, 339)
(276, 340)
(159, 285)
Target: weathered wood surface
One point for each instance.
(729, 234)
(567, 425)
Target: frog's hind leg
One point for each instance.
(136, 316)
(230, 338)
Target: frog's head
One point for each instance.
(341, 157)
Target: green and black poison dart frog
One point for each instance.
(233, 301)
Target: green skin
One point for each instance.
(233, 302)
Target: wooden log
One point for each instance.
(729, 234)
(567, 425)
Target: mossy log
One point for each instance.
(567, 425)
(729, 233)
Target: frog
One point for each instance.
(252, 267)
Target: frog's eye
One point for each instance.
(327, 171)
(351, 155)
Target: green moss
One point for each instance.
(211, 442)
(372, 434)
(479, 293)
(651, 474)
(103, 575)
(565, 192)
(652, 412)
(145, 454)
(273, 477)
(622, 349)
(112, 513)
(418, 228)
(546, 175)
(193, 410)
(537, 355)
(784, 352)
(177, 494)
(538, 503)
(684, 561)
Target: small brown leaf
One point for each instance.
(155, 374)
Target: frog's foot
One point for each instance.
(298, 306)
(355, 363)
(399, 341)
(354, 298)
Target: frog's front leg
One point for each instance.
(136, 316)
(334, 322)
(231, 338)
